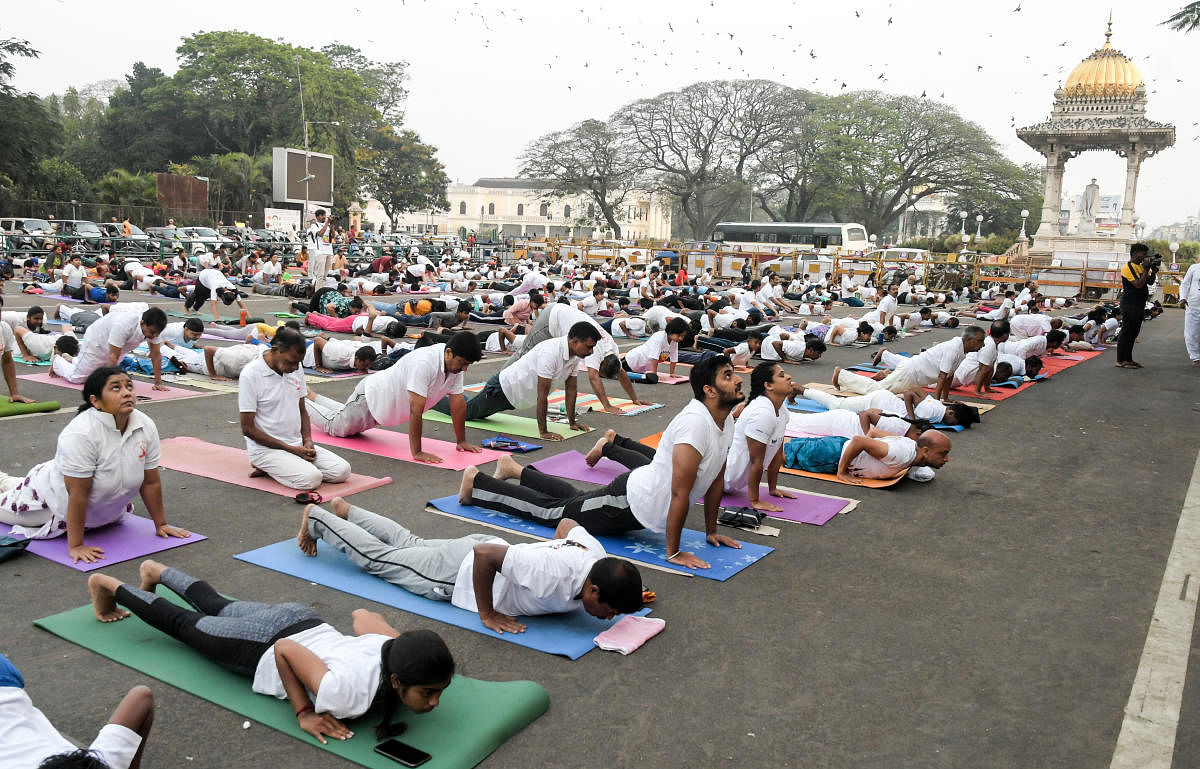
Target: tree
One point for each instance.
(999, 192)
(59, 180)
(1186, 19)
(795, 169)
(384, 79)
(126, 190)
(80, 112)
(28, 133)
(589, 158)
(237, 183)
(402, 173)
(144, 126)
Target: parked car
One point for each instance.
(204, 237)
(80, 233)
(165, 238)
(240, 235)
(28, 233)
(114, 237)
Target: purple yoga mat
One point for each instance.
(132, 538)
(816, 509)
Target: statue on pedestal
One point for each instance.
(1087, 206)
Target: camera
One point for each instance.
(1153, 261)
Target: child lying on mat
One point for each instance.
(288, 651)
(862, 457)
(480, 572)
(29, 740)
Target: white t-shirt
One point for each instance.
(942, 358)
(659, 315)
(348, 686)
(1016, 361)
(648, 488)
(73, 276)
(173, 333)
(359, 323)
(1024, 348)
(887, 307)
(761, 422)
(967, 371)
(793, 348)
(839, 422)
(902, 452)
(1029, 325)
(987, 353)
(535, 577)
(655, 350)
(551, 359)
(493, 342)
(323, 246)
(27, 738)
(889, 403)
(213, 279)
(8, 339)
(636, 327)
(422, 372)
(337, 354)
(274, 399)
(741, 354)
(119, 329)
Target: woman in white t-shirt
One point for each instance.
(758, 436)
(288, 651)
(105, 456)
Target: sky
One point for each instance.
(487, 78)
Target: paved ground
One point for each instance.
(992, 618)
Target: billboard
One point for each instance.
(288, 176)
(284, 219)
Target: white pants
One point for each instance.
(318, 267)
(76, 371)
(296, 473)
(1191, 331)
(898, 381)
(342, 419)
(853, 403)
(893, 360)
(40, 346)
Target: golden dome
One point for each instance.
(1107, 72)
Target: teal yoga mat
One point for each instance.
(474, 718)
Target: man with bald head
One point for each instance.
(869, 456)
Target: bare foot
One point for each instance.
(151, 573)
(597, 451)
(468, 484)
(340, 507)
(878, 356)
(507, 467)
(104, 600)
(306, 542)
(256, 473)
(837, 370)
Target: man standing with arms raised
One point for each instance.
(321, 247)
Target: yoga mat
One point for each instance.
(311, 374)
(672, 380)
(132, 538)
(225, 463)
(144, 390)
(806, 508)
(473, 718)
(505, 422)
(639, 546)
(387, 443)
(567, 634)
(8, 409)
(22, 361)
(870, 483)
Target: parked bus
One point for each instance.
(791, 237)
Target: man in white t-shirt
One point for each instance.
(660, 487)
(1031, 324)
(758, 436)
(113, 336)
(935, 366)
(275, 422)
(853, 459)
(888, 304)
(27, 738)
(978, 371)
(211, 284)
(403, 392)
(481, 572)
(320, 247)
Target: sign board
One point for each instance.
(289, 167)
(284, 219)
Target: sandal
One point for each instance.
(309, 498)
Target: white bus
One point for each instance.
(792, 237)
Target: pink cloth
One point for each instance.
(629, 633)
(330, 323)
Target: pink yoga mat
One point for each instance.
(387, 443)
(668, 379)
(225, 463)
(142, 388)
(816, 509)
(132, 538)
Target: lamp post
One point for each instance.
(751, 202)
(73, 204)
(978, 224)
(308, 175)
(962, 228)
(965, 240)
(1024, 216)
(1174, 247)
(873, 238)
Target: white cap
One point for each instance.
(921, 474)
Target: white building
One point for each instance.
(514, 208)
(926, 218)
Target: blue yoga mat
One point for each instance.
(640, 546)
(567, 634)
(804, 404)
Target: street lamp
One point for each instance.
(978, 224)
(962, 229)
(308, 175)
(1024, 216)
(872, 239)
(965, 240)
(1174, 247)
(73, 204)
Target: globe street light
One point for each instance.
(1024, 216)
(962, 230)
(1174, 247)
(978, 224)
(965, 239)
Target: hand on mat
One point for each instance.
(85, 553)
(720, 540)
(501, 623)
(159, 387)
(848, 478)
(549, 436)
(768, 507)
(640, 402)
(319, 724)
(611, 409)
(19, 399)
(471, 447)
(688, 561)
(167, 530)
(427, 458)
(580, 426)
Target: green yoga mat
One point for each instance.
(473, 719)
(511, 424)
(19, 359)
(12, 409)
(286, 315)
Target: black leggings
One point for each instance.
(233, 634)
(200, 294)
(546, 499)
(1131, 326)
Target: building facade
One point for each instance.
(502, 208)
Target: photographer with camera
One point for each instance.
(1136, 276)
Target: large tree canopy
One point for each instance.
(402, 173)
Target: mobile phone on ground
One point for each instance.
(402, 753)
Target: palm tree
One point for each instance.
(1186, 19)
(127, 191)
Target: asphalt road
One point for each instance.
(991, 618)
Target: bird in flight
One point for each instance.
(1017, 9)
(889, 21)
